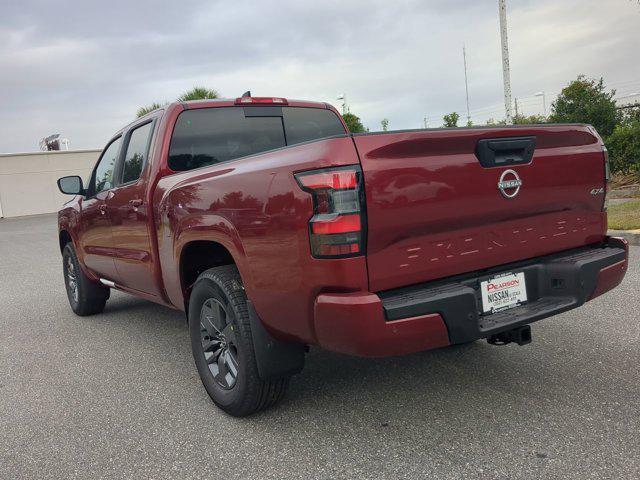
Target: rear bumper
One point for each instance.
(436, 314)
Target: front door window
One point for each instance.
(105, 169)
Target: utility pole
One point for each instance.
(426, 124)
(506, 74)
(516, 102)
(343, 97)
(466, 82)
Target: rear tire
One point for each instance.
(222, 345)
(85, 297)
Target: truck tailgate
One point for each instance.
(433, 210)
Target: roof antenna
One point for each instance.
(246, 94)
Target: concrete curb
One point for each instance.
(632, 236)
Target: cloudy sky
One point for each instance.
(82, 68)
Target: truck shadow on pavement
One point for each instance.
(472, 381)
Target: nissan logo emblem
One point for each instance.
(509, 184)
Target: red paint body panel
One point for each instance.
(95, 239)
(432, 211)
(132, 238)
(611, 276)
(256, 209)
(354, 324)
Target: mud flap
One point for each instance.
(275, 359)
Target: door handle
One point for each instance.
(135, 203)
(103, 209)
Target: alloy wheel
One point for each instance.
(72, 281)
(219, 344)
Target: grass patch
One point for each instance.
(625, 216)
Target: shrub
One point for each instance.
(624, 147)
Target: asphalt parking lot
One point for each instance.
(117, 396)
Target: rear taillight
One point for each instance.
(337, 227)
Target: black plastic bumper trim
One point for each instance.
(555, 283)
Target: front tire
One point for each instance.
(222, 345)
(85, 297)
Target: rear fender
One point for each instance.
(204, 227)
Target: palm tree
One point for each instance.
(196, 93)
(142, 111)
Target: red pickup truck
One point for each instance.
(274, 228)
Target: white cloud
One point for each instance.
(83, 70)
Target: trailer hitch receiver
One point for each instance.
(520, 335)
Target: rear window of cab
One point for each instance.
(207, 136)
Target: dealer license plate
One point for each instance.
(503, 292)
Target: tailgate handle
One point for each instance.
(501, 152)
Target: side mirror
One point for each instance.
(71, 185)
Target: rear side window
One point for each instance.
(306, 124)
(212, 135)
(136, 155)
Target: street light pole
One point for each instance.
(466, 82)
(506, 74)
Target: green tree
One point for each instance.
(451, 120)
(624, 147)
(529, 120)
(198, 93)
(586, 101)
(142, 111)
(385, 124)
(519, 120)
(630, 114)
(493, 123)
(353, 123)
